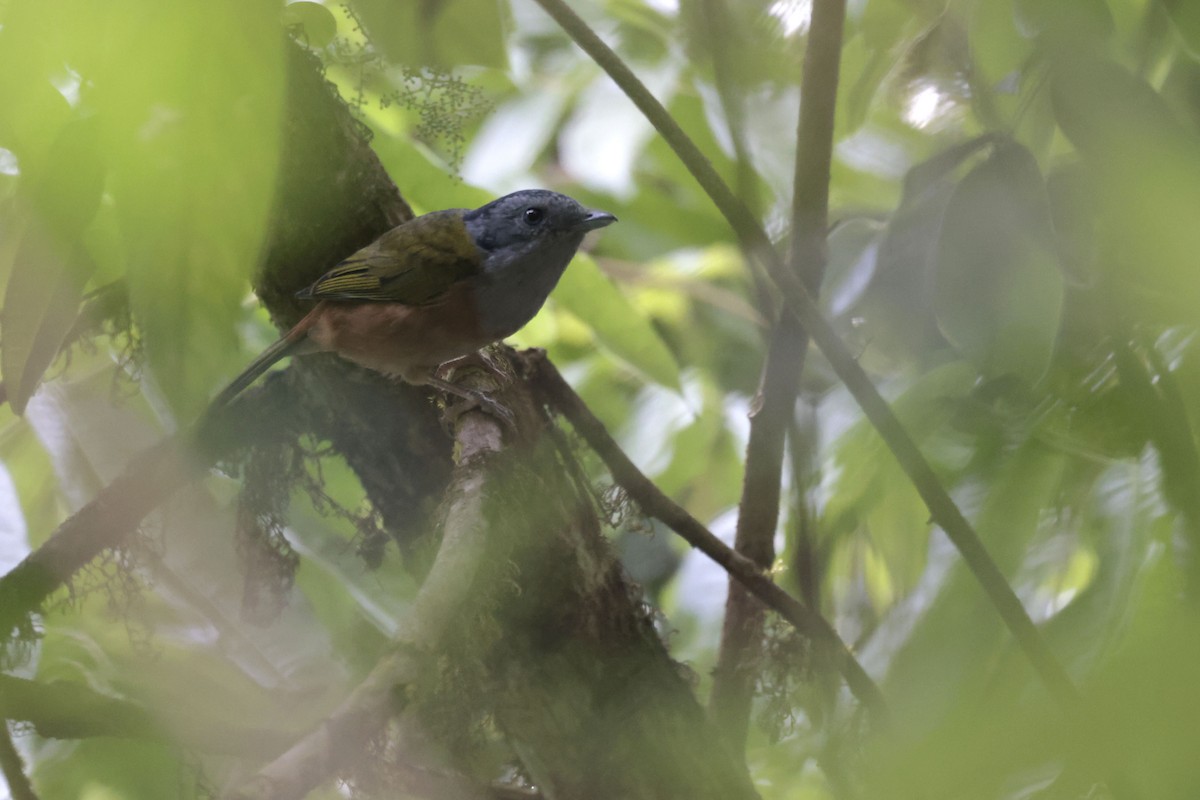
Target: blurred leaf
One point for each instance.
(58, 197)
(62, 190)
(195, 137)
(752, 33)
(999, 292)
(41, 304)
(866, 472)
(587, 293)
(864, 71)
(1185, 16)
(426, 181)
(1146, 232)
(897, 309)
(1071, 25)
(853, 250)
(317, 22)
(115, 769)
(438, 33)
(997, 46)
(32, 109)
(944, 663)
(897, 522)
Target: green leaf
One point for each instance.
(1185, 16)
(317, 22)
(41, 304)
(587, 293)
(195, 136)
(108, 769)
(866, 472)
(57, 198)
(438, 33)
(998, 293)
(1144, 165)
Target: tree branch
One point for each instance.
(942, 508)
(558, 395)
(758, 511)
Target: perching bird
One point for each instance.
(437, 288)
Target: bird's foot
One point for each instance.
(472, 399)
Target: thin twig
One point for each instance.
(758, 511)
(13, 768)
(559, 395)
(942, 508)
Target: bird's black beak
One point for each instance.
(596, 219)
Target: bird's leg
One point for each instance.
(474, 399)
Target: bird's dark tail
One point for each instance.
(287, 345)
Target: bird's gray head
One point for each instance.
(532, 221)
(527, 239)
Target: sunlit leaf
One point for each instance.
(588, 294)
(317, 22)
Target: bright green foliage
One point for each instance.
(1014, 261)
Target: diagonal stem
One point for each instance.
(559, 395)
(942, 508)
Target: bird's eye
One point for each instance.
(534, 215)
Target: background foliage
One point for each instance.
(1013, 260)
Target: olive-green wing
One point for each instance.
(414, 263)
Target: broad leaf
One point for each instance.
(57, 199)
(998, 294)
(1144, 165)
(196, 135)
(587, 293)
(41, 305)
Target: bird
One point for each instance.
(435, 289)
